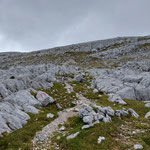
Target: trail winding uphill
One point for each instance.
(42, 138)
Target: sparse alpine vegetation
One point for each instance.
(93, 95)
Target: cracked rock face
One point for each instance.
(122, 84)
(15, 97)
(38, 76)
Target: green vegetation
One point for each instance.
(59, 93)
(87, 139)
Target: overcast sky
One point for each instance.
(27, 25)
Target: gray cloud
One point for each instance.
(27, 25)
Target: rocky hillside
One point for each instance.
(93, 95)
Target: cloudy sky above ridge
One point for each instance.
(27, 25)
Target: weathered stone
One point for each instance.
(62, 128)
(120, 113)
(72, 136)
(127, 93)
(58, 106)
(23, 98)
(106, 119)
(100, 139)
(30, 109)
(80, 78)
(44, 98)
(3, 91)
(49, 115)
(116, 99)
(147, 114)
(87, 119)
(41, 138)
(138, 146)
(133, 113)
(85, 127)
(85, 111)
(95, 91)
(109, 111)
(147, 105)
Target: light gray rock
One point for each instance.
(109, 111)
(127, 93)
(142, 93)
(120, 113)
(98, 116)
(41, 138)
(13, 121)
(58, 106)
(117, 99)
(100, 139)
(147, 105)
(44, 98)
(3, 91)
(62, 128)
(100, 109)
(96, 122)
(85, 111)
(132, 78)
(3, 126)
(85, 127)
(147, 115)
(138, 146)
(145, 81)
(30, 109)
(49, 115)
(79, 78)
(87, 119)
(133, 113)
(23, 98)
(95, 91)
(72, 136)
(107, 119)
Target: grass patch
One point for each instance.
(59, 93)
(87, 139)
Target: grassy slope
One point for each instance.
(87, 139)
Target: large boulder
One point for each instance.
(44, 98)
(43, 81)
(132, 78)
(13, 85)
(23, 98)
(11, 115)
(127, 93)
(142, 93)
